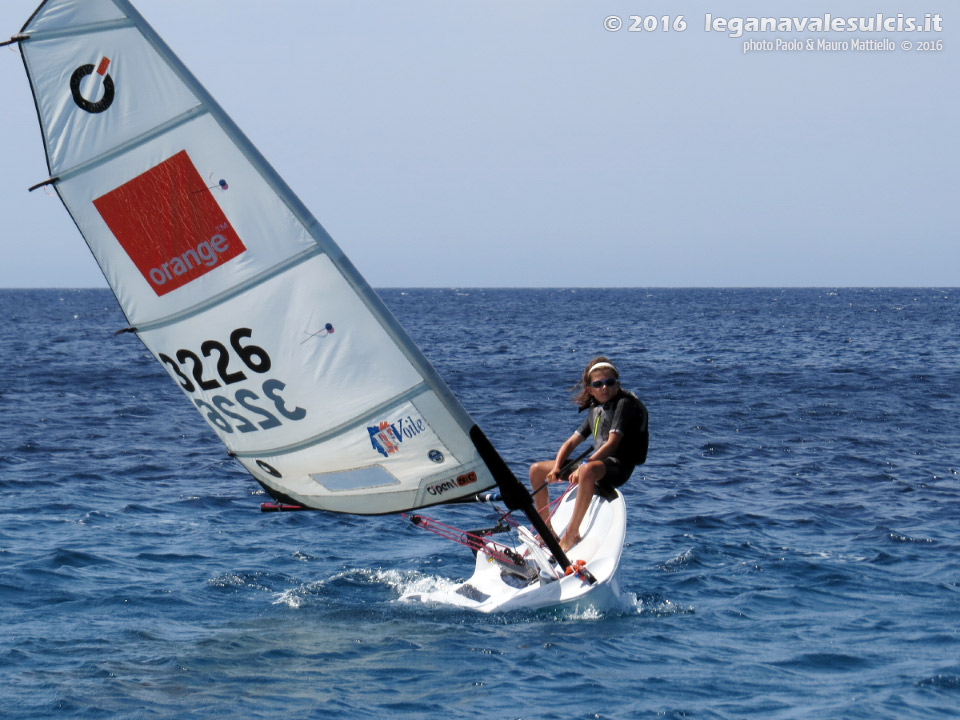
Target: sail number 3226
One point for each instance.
(242, 410)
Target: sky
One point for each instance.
(530, 143)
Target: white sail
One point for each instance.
(230, 282)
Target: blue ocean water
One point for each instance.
(792, 548)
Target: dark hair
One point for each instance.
(583, 399)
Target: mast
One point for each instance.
(515, 495)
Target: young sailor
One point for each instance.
(617, 421)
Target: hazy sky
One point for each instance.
(520, 143)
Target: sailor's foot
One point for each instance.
(540, 539)
(569, 540)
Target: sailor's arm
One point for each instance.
(609, 448)
(562, 455)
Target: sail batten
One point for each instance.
(240, 294)
(364, 419)
(105, 26)
(231, 293)
(132, 143)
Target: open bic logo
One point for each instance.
(169, 224)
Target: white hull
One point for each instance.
(490, 589)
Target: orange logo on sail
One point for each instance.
(169, 224)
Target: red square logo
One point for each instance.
(169, 224)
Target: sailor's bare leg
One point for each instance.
(538, 483)
(587, 477)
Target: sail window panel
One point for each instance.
(310, 379)
(368, 478)
(375, 501)
(76, 79)
(64, 14)
(148, 214)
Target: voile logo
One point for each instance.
(169, 224)
(386, 437)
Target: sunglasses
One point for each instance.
(609, 382)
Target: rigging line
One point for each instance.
(471, 539)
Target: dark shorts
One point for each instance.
(617, 473)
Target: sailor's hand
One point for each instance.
(553, 476)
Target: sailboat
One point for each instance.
(252, 308)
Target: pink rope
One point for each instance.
(475, 542)
(461, 537)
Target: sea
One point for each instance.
(792, 549)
